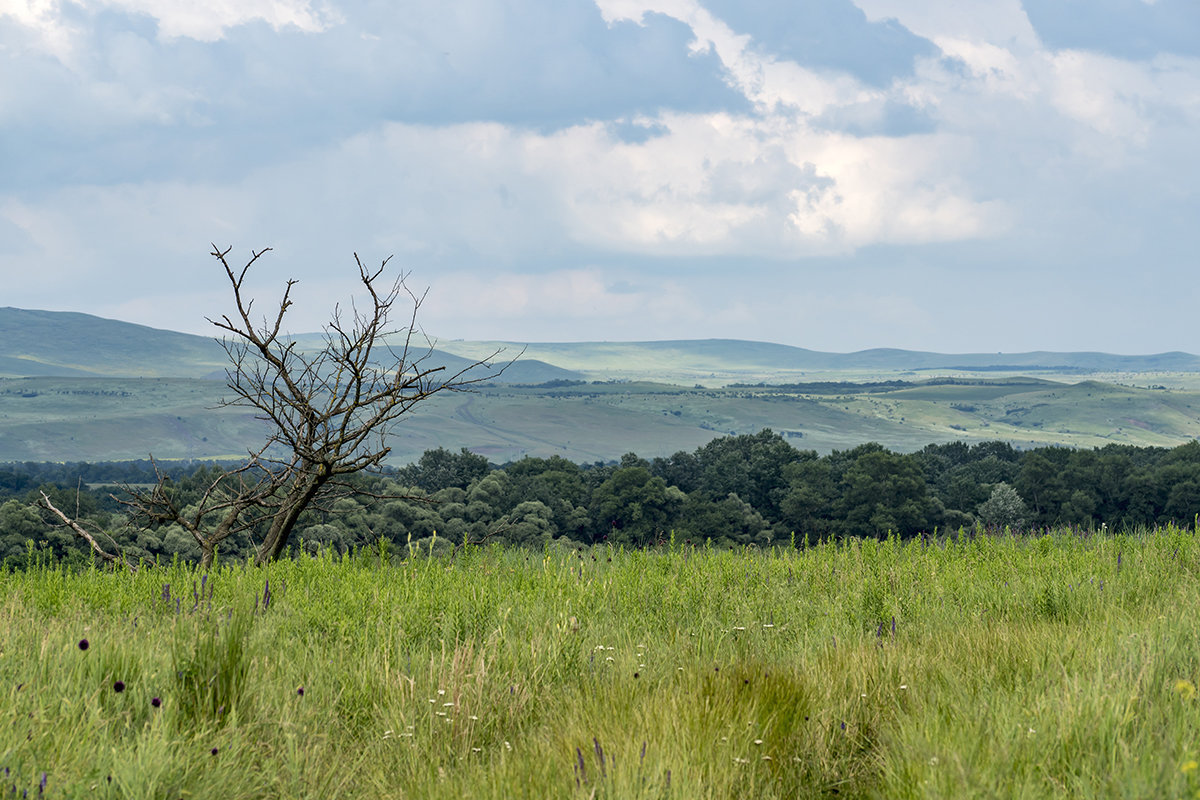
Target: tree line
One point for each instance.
(754, 489)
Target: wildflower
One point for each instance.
(119, 687)
(300, 691)
(1188, 766)
(758, 741)
(83, 644)
(1185, 689)
(156, 701)
(903, 686)
(214, 751)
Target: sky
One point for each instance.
(945, 175)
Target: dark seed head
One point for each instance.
(83, 644)
(119, 687)
(156, 701)
(635, 674)
(214, 751)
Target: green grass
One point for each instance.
(987, 667)
(95, 419)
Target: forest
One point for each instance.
(753, 489)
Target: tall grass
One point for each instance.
(1063, 665)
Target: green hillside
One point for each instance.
(719, 361)
(92, 419)
(85, 388)
(67, 343)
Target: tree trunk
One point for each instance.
(294, 504)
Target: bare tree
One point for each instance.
(329, 409)
(234, 501)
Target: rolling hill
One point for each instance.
(75, 387)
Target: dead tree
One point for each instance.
(329, 409)
(234, 501)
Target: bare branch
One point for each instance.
(79, 529)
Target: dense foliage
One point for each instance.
(737, 490)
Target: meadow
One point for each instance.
(105, 419)
(988, 666)
(975, 666)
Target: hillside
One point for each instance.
(80, 387)
(69, 344)
(717, 361)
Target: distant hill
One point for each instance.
(64, 343)
(79, 387)
(70, 344)
(734, 360)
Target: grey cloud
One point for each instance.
(140, 107)
(1124, 28)
(830, 34)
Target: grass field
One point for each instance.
(1054, 666)
(95, 419)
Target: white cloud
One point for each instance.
(1000, 22)
(506, 161)
(763, 79)
(58, 34)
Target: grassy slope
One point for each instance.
(89, 419)
(100, 418)
(1002, 667)
(34, 342)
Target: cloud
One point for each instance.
(1128, 29)
(593, 163)
(59, 25)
